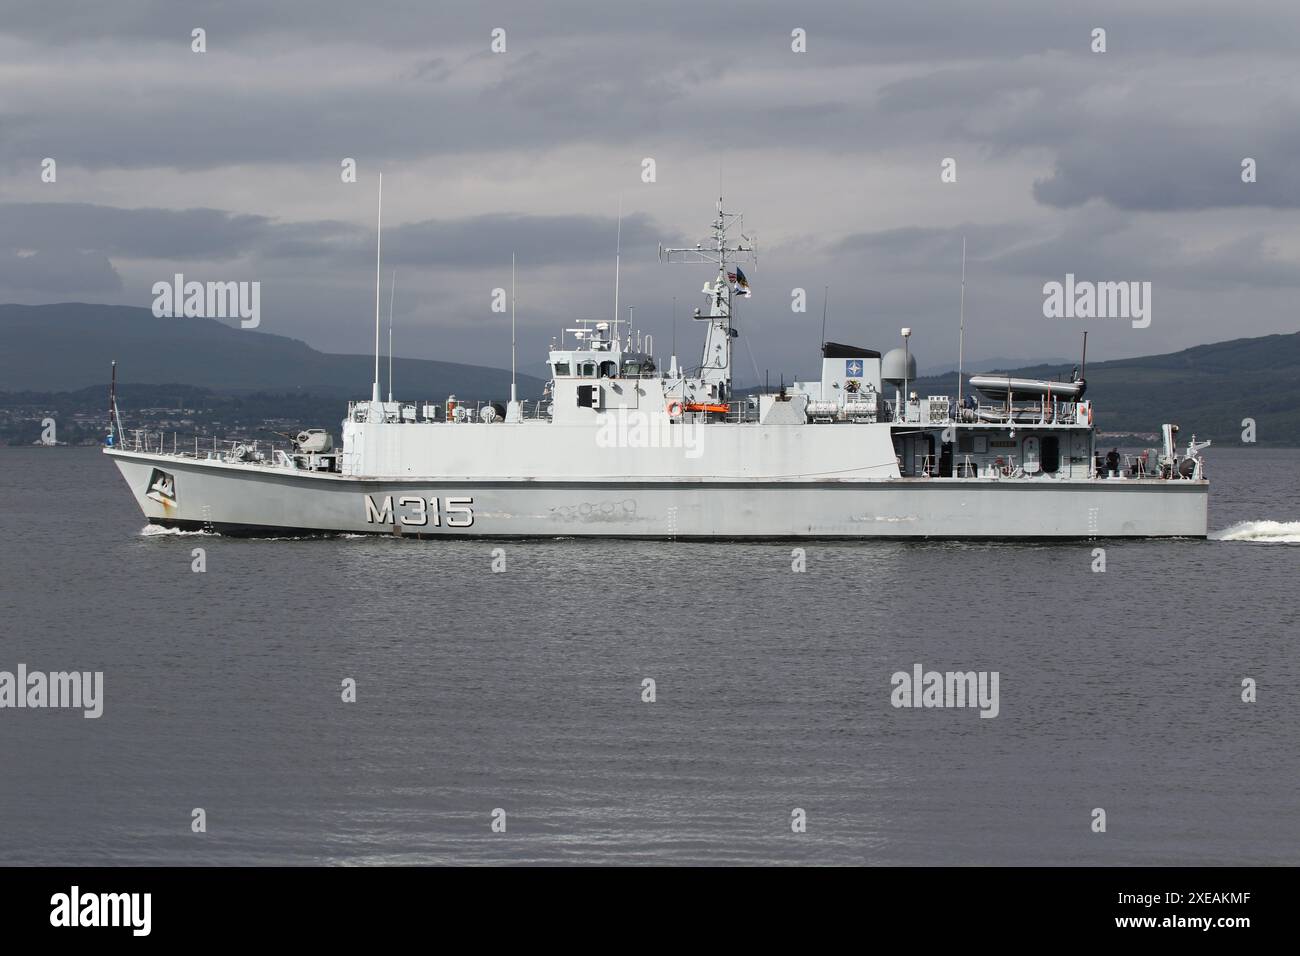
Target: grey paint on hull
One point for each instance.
(246, 498)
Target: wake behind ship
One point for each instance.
(622, 447)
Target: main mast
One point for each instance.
(715, 363)
(379, 238)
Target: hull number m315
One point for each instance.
(413, 511)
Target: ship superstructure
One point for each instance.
(623, 445)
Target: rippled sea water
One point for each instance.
(522, 691)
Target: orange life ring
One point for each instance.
(674, 409)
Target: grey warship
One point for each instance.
(623, 446)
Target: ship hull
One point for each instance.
(236, 498)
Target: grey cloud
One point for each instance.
(986, 84)
(1131, 159)
(1096, 242)
(921, 247)
(1109, 124)
(878, 27)
(136, 233)
(1159, 168)
(189, 234)
(616, 74)
(58, 273)
(539, 240)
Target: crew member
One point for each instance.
(1112, 462)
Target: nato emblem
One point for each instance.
(853, 367)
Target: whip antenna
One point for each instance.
(379, 233)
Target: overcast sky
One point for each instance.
(225, 165)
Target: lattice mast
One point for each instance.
(715, 362)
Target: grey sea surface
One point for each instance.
(522, 691)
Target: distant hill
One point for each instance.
(1207, 389)
(66, 347)
(992, 362)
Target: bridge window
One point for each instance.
(561, 368)
(587, 369)
(609, 370)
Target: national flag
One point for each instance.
(739, 284)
